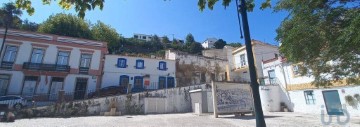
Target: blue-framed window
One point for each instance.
(170, 82)
(309, 97)
(162, 65)
(162, 82)
(139, 64)
(138, 84)
(124, 80)
(121, 63)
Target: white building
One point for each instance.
(209, 43)
(34, 64)
(196, 69)
(143, 37)
(283, 83)
(141, 73)
(261, 51)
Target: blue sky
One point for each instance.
(178, 17)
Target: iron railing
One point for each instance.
(83, 70)
(269, 81)
(7, 65)
(46, 67)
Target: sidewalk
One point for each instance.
(179, 120)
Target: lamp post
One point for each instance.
(260, 122)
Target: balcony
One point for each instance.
(269, 81)
(83, 70)
(46, 67)
(6, 65)
(240, 67)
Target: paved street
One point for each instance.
(178, 120)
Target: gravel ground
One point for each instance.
(178, 120)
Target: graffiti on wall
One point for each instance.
(233, 97)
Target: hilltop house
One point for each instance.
(209, 43)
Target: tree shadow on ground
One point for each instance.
(244, 117)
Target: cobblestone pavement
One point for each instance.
(180, 120)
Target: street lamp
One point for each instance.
(260, 121)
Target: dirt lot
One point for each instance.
(180, 120)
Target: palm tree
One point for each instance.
(8, 12)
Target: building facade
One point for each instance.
(143, 37)
(209, 43)
(261, 52)
(283, 85)
(196, 69)
(140, 73)
(37, 64)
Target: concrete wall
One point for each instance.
(172, 100)
(112, 73)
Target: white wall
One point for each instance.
(112, 73)
(261, 53)
(298, 100)
(295, 99)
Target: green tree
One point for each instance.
(195, 48)
(219, 44)
(324, 35)
(235, 44)
(106, 33)
(9, 16)
(155, 38)
(189, 38)
(165, 40)
(249, 3)
(8, 12)
(81, 6)
(29, 26)
(66, 25)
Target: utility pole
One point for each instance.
(260, 121)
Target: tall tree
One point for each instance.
(81, 6)
(8, 12)
(102, 32)
(195, 48)
(9, 15)
(66, 25)
(219, 44)
(324, 35)
(189, 38)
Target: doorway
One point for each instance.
(29, 87)
(332, 102)
(272, 77)
(80, 88)
(56, 86)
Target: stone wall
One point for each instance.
(174, 100)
